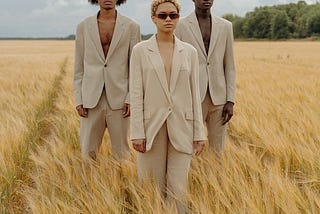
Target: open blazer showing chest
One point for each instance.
(153, 102)
(93, 70)
(217, 68)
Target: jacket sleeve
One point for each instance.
(229, 65)
(198, 127)
(136, 96)
(135, 39)
(78, 65)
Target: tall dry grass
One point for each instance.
(27, 71)
(271, 163)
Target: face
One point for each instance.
(107, 4)
(166, 17)
(203, 4)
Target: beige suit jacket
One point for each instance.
(92, 70)
(153, 102)
(217, 68)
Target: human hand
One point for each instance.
(126, 110)
(198, 147)
(83, 112)
(139, 145)
(227, 112)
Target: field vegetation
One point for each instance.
(271, 162)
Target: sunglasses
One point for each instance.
(165, 15)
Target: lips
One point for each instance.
(107, 2)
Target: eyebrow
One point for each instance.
(169, 12)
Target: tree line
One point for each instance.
(294, 20)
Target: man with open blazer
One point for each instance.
(213, 38)
(101, 77)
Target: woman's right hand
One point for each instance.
(83, 112)
(198, 147)
(139, 145)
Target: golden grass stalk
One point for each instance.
(270, 165)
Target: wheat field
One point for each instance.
(271, 163)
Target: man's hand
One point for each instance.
(139, 145)
(83, 112)
(198, 147)
(227, 112)
(126, 110)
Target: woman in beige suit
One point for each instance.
(166, 120)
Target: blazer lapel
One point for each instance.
(94, 33)
(195, 29)
(215, 31)
(176, 64)
(157, 63)
(117, 33)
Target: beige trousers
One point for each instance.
(92, 130)
(168, 167)
(212, 116)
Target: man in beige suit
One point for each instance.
(101, 77)
(213, 38)
(166, 122)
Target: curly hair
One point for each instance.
(119, 2)
(156, 3)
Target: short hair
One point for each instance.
(119, 2)
(156, 3)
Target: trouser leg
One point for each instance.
(118, 132)
(153, 163)
(92, 129)
(178, 166)
(212, 115)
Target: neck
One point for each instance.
(107, 14)
(165, 37)
(203, 14)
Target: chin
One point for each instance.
(168, 31)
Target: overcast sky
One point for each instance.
(59, 18)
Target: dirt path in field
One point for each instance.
(39, 128)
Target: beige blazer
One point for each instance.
(92, 70)
(217, 68)
(153, 102)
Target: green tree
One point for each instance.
(257, 24)
(238, 26)
(314, 20)
(280, 25)
(237, 23)
(230, 17)
(294, 20)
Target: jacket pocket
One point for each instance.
(185, 70)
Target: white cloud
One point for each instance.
(61, 7)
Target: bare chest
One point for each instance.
(205, 28)
(106, 30)
(166, 55)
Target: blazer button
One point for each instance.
(170, 109)
(105, 65)
(208, 63)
